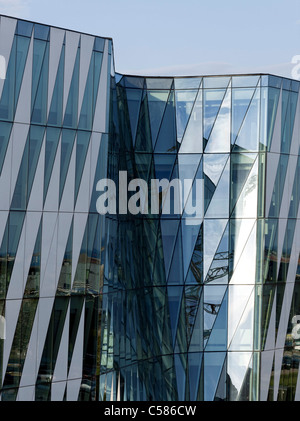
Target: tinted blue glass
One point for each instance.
(295, 85)
(41, 32)
(5, 130)
(39, 48)
(22, 51)
(35, 144)
(16, 220)
(8, 93)
(33, 279)
(219, 269)
(288, 123)
(21, 188)
(174, 299)
(169, 229)
(166, 140)
(295, 198)
(213, 364)
(176, 269)
(83, 139)
(99, 44)
(180, 375)
(133, 82)
(24, 28)
(71, 113)
(67, 143)
(134, 97)
(52, 139)
(109, 47)
(55, 113)
(39, 113)
(286, 84)
(218, 337)
(28, 168)
(86, 112)
(195, 364)
(275, 81)
(273, 97)
(278, 186)
(98, 57)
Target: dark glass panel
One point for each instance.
(24, 28)
(99, 44)
(67, 143)
(39, 110)
(64, 282)
(5, 131)
(82, 144)
(71, 112)
(55, 112)
(52, 139)
(166, 140)
(41, 32)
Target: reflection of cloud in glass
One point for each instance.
(214, 165)
(238, 363)
(246, 206)
(245, 263)
(243, 336)
(219, 140)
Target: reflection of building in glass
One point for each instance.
(144, 307)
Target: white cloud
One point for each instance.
(16, 8)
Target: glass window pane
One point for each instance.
(41, 31)
(212, 99)
(214, 82)
(187, 82)
(244, 81)
(184, 105)
(24, 28)
(240, 102)
(213, 364)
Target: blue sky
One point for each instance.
(176, 37)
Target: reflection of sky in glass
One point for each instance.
(213, 231)
(213, 165)
(192, 140)
(213, 295)
(212, 99)
(237, 364)
(238, 298)
(184, 104)
(244, 259)
(219, 140)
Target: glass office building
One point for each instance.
(152, 306)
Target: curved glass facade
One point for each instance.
(194, 297)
